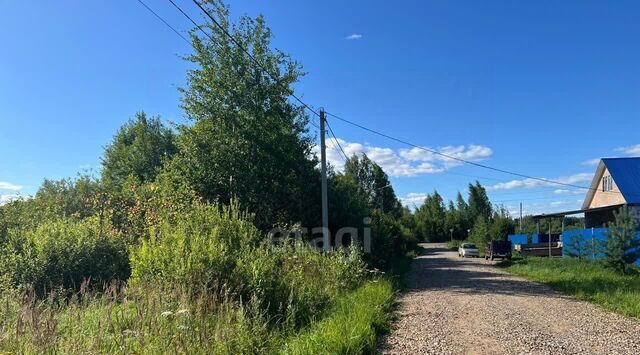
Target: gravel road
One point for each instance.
(469, 306)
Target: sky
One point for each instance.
(542, 88)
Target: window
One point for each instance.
(607, 183)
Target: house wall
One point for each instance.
(606, 198)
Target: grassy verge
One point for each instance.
(585, 280)
(357, 319)
(352, 326)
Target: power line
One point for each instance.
(255, 61)
(165, 22)
(335, 139)
(433, 151)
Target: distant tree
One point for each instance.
(66, 198)
(464, 217)
(501, 225)
(479, 204)
(374, 182)
(138, 149)
(480, 233)
(430, 219)
(623, 246)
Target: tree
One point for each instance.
(430, 219)
(623, 246)
(248, 142)
(479, 204)
(374, 183)
(464, 218)
(480, 233)
(138, 150)
(501, 225)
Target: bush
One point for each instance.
(62, 255)
(622, 248)
(352, 325)
(199, 249)
(218, 249)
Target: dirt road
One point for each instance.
(469, 306)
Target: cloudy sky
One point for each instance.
(541, 88)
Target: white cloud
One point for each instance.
(406, 162)
(533, 183)
(413, 198)
(540, 208)
(591, 162)
(631, 150)
(9, 186)
(569, 192)
(353, 36)
(8, 198)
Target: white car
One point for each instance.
(468, 250)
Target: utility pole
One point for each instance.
(326, 238)
(520, 217)
(549, 238)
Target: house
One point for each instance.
(616, 183)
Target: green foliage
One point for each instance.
(577, 247)
(430, 219)
(183, 213)
(248, 142)
(62, 255)
(199, 248)
(374, 183)
(218, 249)
(479, 204)
(585, 280)
(501, 225)
(138, 150)
(454, 244)
(623, 246)
(352, 325)
(480, 233)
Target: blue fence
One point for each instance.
(518, 239)
(589, 241)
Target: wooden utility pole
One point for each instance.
(520, 217)
(326, 239)
(550, 238)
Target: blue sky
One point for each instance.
(536, 87)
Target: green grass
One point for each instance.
(585, 280)
(152, 320)
(352, 326)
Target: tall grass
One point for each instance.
(585, 280)
(352, 325)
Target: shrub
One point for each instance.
(199, 249)
(218, 249)
(623, 246)
(62, 255)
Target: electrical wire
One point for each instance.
(484, 166)
(165, 22)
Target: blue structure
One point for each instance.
(590, 242)
(518, 239)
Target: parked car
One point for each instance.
(498, 249)
(468, 250)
